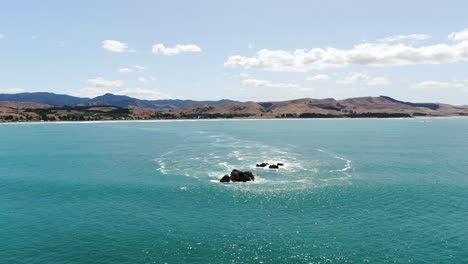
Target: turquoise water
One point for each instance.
(352, 191)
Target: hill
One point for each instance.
(106, 99)
(44, 98)
(126, 101)
(114, 107)
(382, 106)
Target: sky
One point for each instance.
(242, 50)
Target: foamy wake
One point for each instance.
(210, 156)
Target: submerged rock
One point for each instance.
(262, 165)
(279, 164)
(273, 166)
(225, 178)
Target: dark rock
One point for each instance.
(273, 166)
(262, 165)
(279, 164)
(225, 178)
(241, 176)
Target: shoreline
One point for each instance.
(226, 119)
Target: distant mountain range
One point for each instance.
(106, 99)
(56, 107)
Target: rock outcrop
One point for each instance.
(271, 166)
(225, 178)
(238, 176)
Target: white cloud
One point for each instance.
(139, 67)
(125, 70)
(318, 77)
(162, 50)
(99, 86)
(440, 85)
(147, 94)
(243, 75)
(366, 54)
(147, 79)
(1, 36)
(267, 84)
(91, 92)
(362, 78)
(11, 91)
(115, 46)
(100, 82)
(140, 93)
(405, 38)
(459, 36)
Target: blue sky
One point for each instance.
(243, 50)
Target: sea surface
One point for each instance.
(351, 191)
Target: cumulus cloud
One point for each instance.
(267, 84)
(125, 70)
(137, 68)
(366, 54)
(177, 49)
(100, 82)
(147, 94)
(440, 85)
(115, 46)
(99, 86)
(140, 93)
(91, 92)
(363, 78)
(459, 36)
(147, 79)
(318, 77)
(405, 38)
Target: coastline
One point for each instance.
(227, 119)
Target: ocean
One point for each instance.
(351, 191)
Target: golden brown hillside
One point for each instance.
(23, 105)
(308, 107)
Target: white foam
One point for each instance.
(227, 153)
(347, 166)
(162, 167)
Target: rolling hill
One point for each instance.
(381, 106)
(112, 107)
(106, 99)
